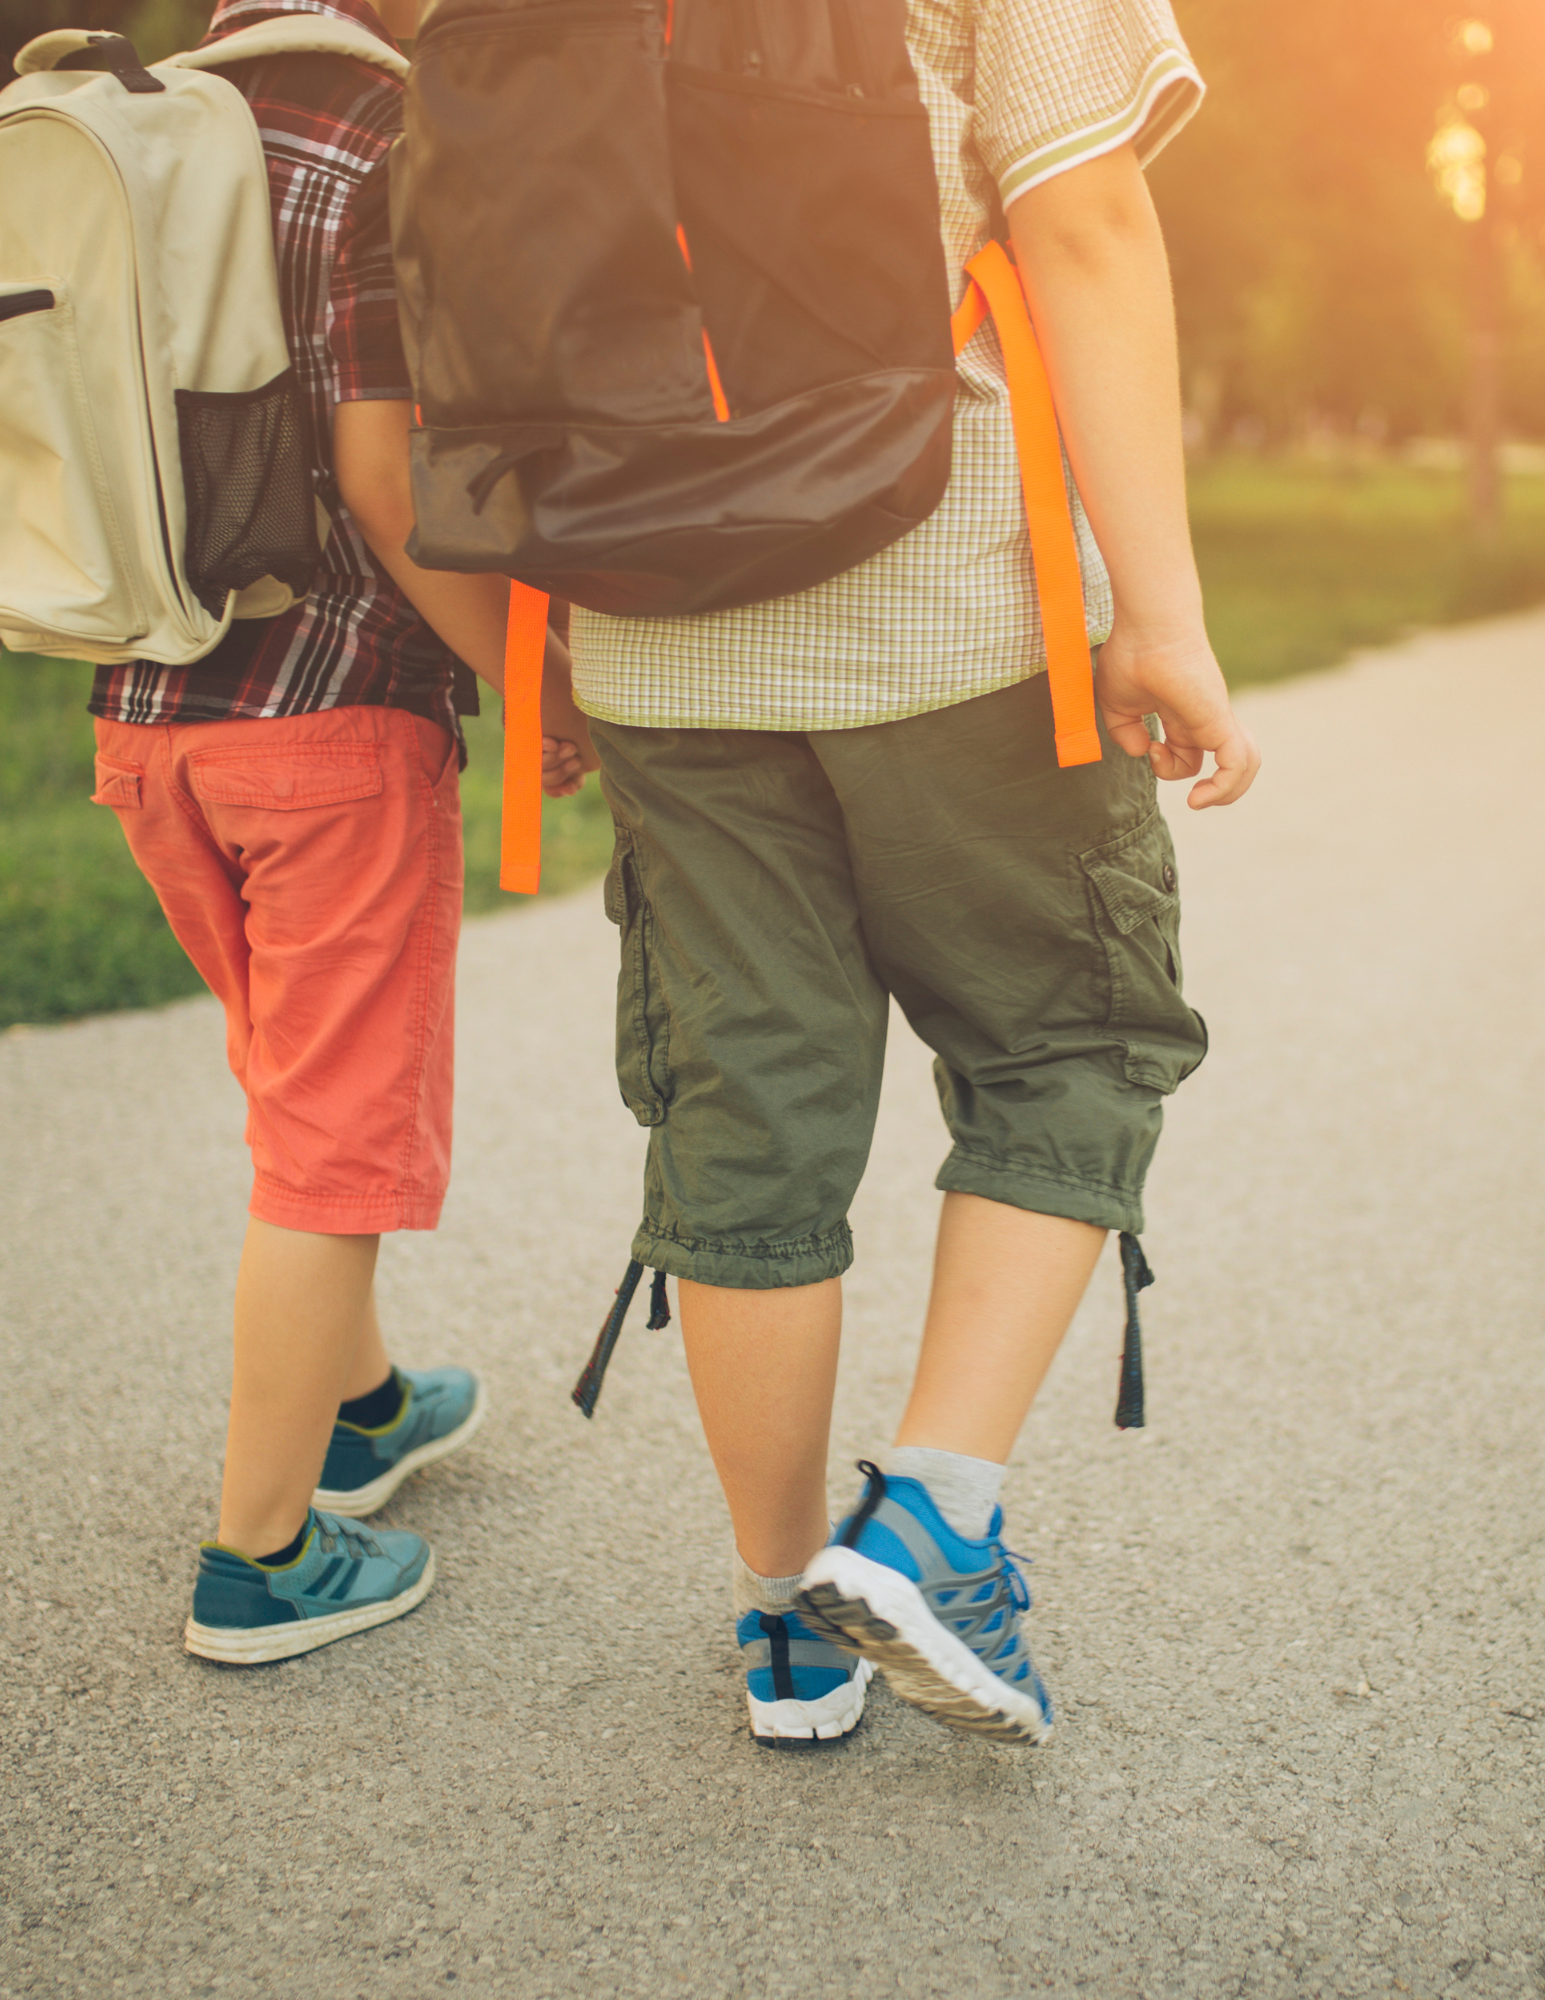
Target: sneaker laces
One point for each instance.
(1019, 1590)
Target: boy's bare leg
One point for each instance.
(305, 1328)
(1006, 1284)
(372, 1363)
(764, 1369)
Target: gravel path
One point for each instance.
(1294, 1628)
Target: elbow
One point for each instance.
(1098, 240)
(1096, 243)
(380, 505)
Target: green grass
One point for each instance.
(1304, 563)
(1301, 564)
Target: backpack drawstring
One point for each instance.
(1135, 1277)
(587, 1390)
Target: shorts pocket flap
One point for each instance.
(1134, 876)
(117, 784)
(288, 780)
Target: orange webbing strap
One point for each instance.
(721, 405)
(525, 644)
(968, 316)
(1053, 547)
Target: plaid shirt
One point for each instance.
(1017, 91)
(327, 123)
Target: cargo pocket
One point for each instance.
(1136, 900)
(118, 784)
(643, 1027)
(247, 482)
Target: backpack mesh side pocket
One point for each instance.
(247, 485)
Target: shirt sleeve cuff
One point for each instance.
(1165, 99)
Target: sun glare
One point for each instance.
(1456, 159)
(1475, 38)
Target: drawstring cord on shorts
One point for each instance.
(587, 1390)
(1135, 1277)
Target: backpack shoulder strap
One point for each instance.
(295, 35)
(995, 289)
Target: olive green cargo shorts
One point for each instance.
(774, 890)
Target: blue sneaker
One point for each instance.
(799, 1686)
(939, 1615)
(441, 1408)
(345, 1579)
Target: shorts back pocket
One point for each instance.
(288, 780)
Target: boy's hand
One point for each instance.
(563, 767)
(567, 752)
(1178, 680)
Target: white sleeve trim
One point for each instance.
(1170, 75)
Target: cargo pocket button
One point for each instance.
(1169, 877)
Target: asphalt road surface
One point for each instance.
(1294, 1628)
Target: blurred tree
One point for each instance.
(1324, 268)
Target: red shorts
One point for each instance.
(310, 866)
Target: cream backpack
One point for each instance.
(154, 478)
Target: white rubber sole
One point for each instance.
(883, 1615)
(831, 1716)
(252, 1647)
(367, 1499)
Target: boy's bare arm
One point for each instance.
(1097, 279)
(370, 452)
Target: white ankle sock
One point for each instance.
(772, 1594)
(965, 1490)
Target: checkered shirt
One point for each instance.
(1017, 92)
(327, 123)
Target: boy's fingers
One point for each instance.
(1129, 732)
(563, 767)
(1237, 760)
(1172, 760)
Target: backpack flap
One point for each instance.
(292, 35)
